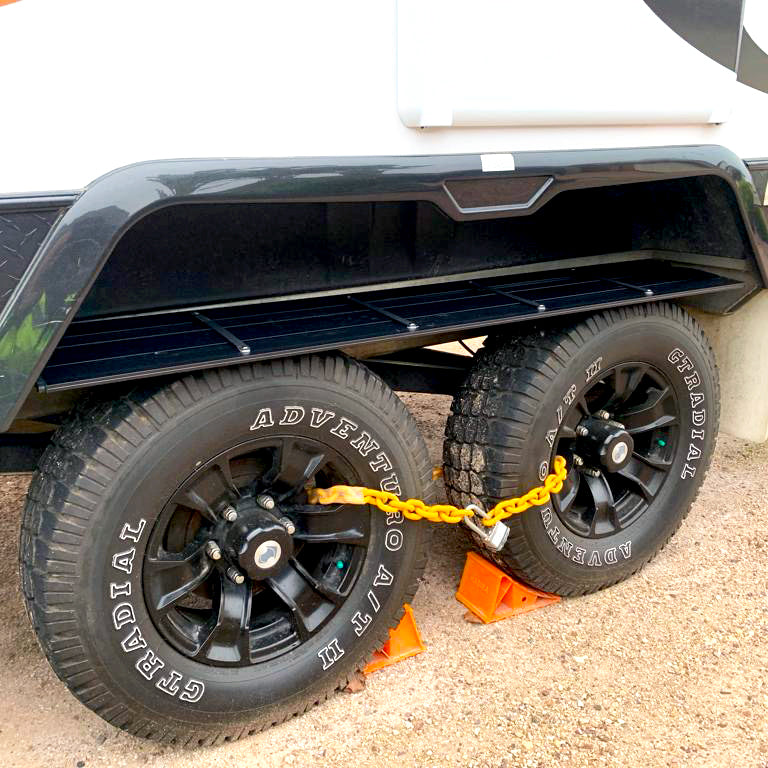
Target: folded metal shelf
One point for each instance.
(96, 351)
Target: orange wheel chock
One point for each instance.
(404, 642)
(492, 595)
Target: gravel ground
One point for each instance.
(668, 669)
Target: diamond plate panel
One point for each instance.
(21, 233)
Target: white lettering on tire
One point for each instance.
(361, 622)
(133, 641)
(593, 369)
(149, 664)
(383, 578)
(133, 533)
(292, 414)
(123, 614)
(344, 427)
(330, 654)
(684, 364)
(320, 416)
(170, 683)
(124, 560)
(364, 443)
(394, 539)
(193, 691)
(120, 590)
(263, 419)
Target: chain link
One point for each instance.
(415, 509)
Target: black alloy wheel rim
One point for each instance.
(193, 600)
(596, 502)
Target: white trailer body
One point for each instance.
(88, 89)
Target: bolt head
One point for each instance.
(229, 514)
(578, 461)
(235, 576)
(265, 501)
(288, 525)
(582, 431)
(213, 551)
(603, 414)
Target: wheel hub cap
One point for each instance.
(606, 444)
(258, 540)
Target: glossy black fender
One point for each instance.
(76, 248)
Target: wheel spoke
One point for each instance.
(644, 477)
(626, 381)
(656, 412)
(653, 461)
(605, 518)
(308, 607)
(581, 405)
(326, 591)
(224, 469)
(340, 524)
(172, 577)
(571, 419)
(293, 466)
(567, 496)
(228, 639)
(191, 499)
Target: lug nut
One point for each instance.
(212, 550)
(229, 514)
(235, 576)
(603, 414)
(578, 461)
(265, 501)
(288, 524)
(591, 472)
(582, 431)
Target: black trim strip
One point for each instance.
(39, 202)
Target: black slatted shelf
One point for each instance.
(101, 350)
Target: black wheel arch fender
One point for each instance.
(80, 243)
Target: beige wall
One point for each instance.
(740, 342)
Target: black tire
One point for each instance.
(520, 406)
(117, 463)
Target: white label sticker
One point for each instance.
(501, 161)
